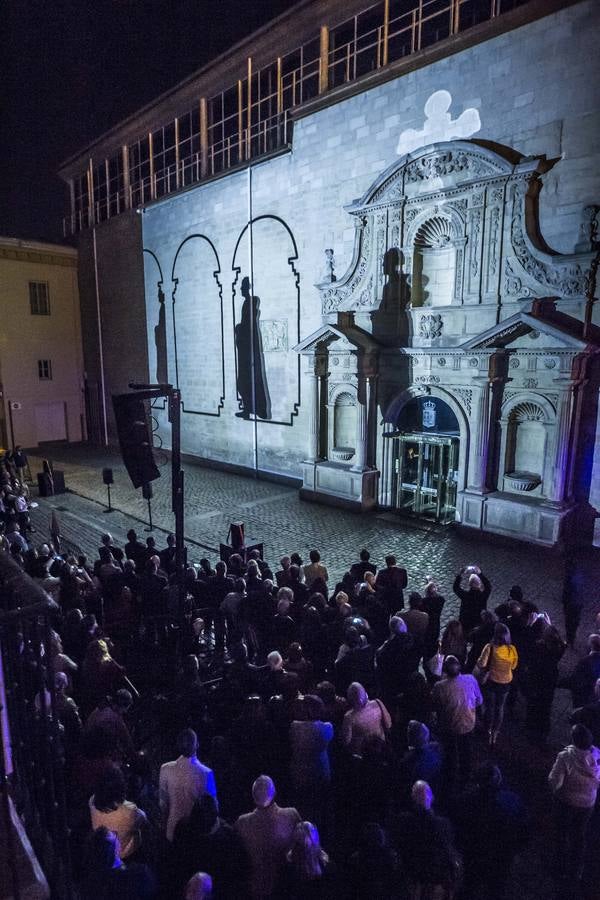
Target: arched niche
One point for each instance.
(434, 263)
(266, 282)
(198, 334)
(342, 423)
(524, 446)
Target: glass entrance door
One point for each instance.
(426, 475)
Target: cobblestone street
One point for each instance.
(274, 514)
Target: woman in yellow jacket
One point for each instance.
(498, 659)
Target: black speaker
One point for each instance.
(107, 476)
(133, 428)
(147, 491)
(225, 551)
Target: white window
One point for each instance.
(45, 369)
(39, 299)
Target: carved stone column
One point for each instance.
(561, 447)
(314, 422)
(371, 419)
(478, 453)
(361, 430)
(313, 429)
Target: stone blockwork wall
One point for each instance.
(533, 90)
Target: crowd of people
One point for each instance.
(329, 740)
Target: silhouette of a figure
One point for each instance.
(160, 341)
(391, 322)
(251, 378)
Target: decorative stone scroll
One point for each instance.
(454, 195)
(564, 279)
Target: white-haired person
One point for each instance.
(428, 854)
(267, 834)
(365, 719)
(199, 887)
(474, 598)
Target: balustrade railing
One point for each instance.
(240, 124)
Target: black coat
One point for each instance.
(583, 679)
(221, 853)
(357, 665)
(396, 660)
(472, 603)
(391, 583)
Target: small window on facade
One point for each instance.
(45, 369)
(39, 300)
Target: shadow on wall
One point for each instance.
(392, 324)
(251, 379)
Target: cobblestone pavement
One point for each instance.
(275, 515)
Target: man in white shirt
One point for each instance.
(182, 782)
(455, 699)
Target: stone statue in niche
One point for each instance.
(251, 378)
(274, 335)
(439, 124)
(329, 273)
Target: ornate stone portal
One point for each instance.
(452, 295)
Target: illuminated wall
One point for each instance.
(527, 90)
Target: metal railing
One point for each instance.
(381, 34)
(31, 753)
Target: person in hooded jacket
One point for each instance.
(574, 780)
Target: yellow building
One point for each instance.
(41, 360)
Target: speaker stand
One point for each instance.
(110, 509)
(150, 527)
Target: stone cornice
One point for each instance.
(37, 256)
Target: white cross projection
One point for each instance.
(439, 124)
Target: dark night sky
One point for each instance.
(73, 68)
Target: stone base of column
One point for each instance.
(526, 518)
(340, 485)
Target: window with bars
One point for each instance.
(39, 298)
(45, 369)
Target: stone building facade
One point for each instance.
(453, 371)
(41, 360)
(431, 347)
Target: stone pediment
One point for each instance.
(349, 336)
(475, 201)
(448, 164)
(564, 334)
